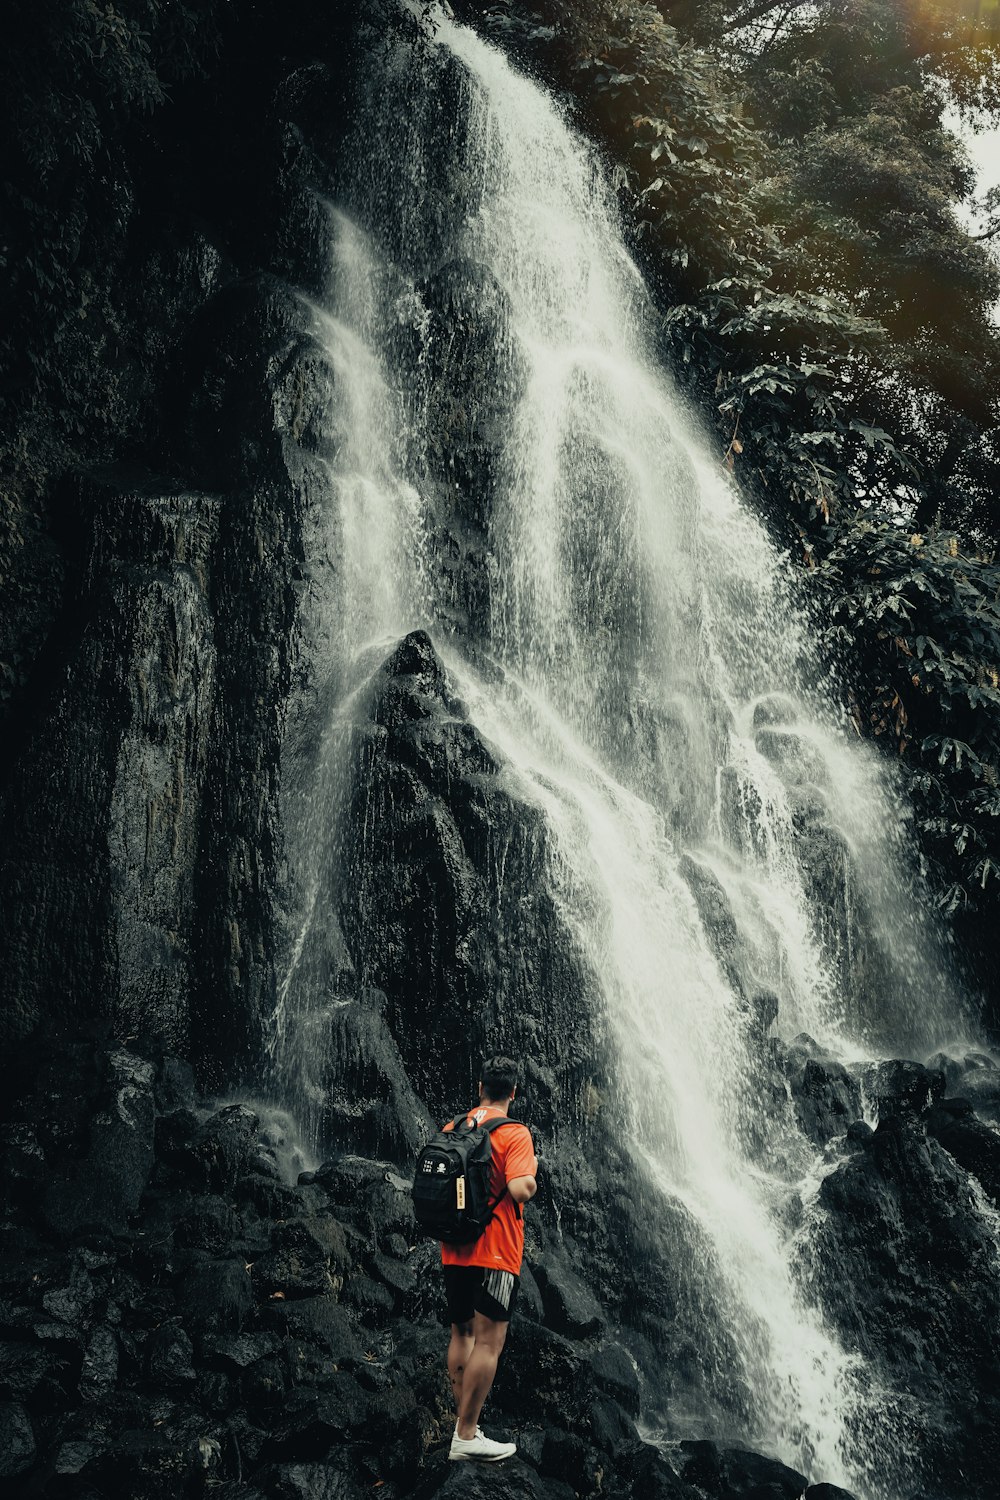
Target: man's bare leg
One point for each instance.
(479, 1372)
(460, 1349)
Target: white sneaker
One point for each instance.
(480, 1448)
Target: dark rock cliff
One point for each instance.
(176, 1316)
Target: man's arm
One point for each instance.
(521, 1165)
(522, 1188)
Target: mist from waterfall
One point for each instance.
(645, 671)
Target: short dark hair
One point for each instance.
(499, 1077)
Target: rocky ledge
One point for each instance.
(177, 1319)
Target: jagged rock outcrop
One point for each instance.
(226, 1332)
(905, 1255)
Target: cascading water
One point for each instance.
(650, 687)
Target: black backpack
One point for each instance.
(451, 1185)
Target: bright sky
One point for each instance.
(984, 150)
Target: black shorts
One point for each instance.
(472, 1289)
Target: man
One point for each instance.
(481, 1278)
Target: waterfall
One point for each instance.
(629, 641)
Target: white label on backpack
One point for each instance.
(460, 1191)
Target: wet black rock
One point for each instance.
(311, 1423)
(827, 1492)
(717, 915)
(764, 1006)
(432, 923)
(170, 1356)
(642, 1470)
(569, 1305)
(23, 1369)
(99, 1371)
(215, 1295)
(17, 1441)
(974, 1076)
(567, 1457)
(615, 1372)
(734, 1473)
(307, 1482)
(296, 1266)
(222, 1149)
(317, 1320)
(904, 1259)
(370, 1104)
(102, 1189)
(210, 1224)
(473, 371)
(235, 1352)
(22, 1160)
(902, 1087)
(827, 1099)
(798, 761)
(513, 1480)
(972, 1143)
(175, 1086)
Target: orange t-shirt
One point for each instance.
(501, 1245)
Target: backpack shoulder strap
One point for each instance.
(495, 1124)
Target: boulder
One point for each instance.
(175, 1085)
(312, 1423)
(210, 1225)
(902, 1087)
(215, 1296)
(235, 1352)
(974, 1076)
(102, 1191)
(100, 1364)
(566, 1456)
(372, 1301)
(554, 1368)
(971, 1142)
(615, 1373)
(170, 1357)
(23, 1369)
(903, 1260)
(826, 1098)
(297, 1264)
(310, 1481)
(570, 1305)
(262, 1388)
(222, 1149)
(17, 1440)
(512, 1480)
(317, 1320)
(610, 1429)
(643, 1470)
(730, 1473)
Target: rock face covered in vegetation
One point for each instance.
(182, 1313)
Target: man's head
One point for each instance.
(498, 1080)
